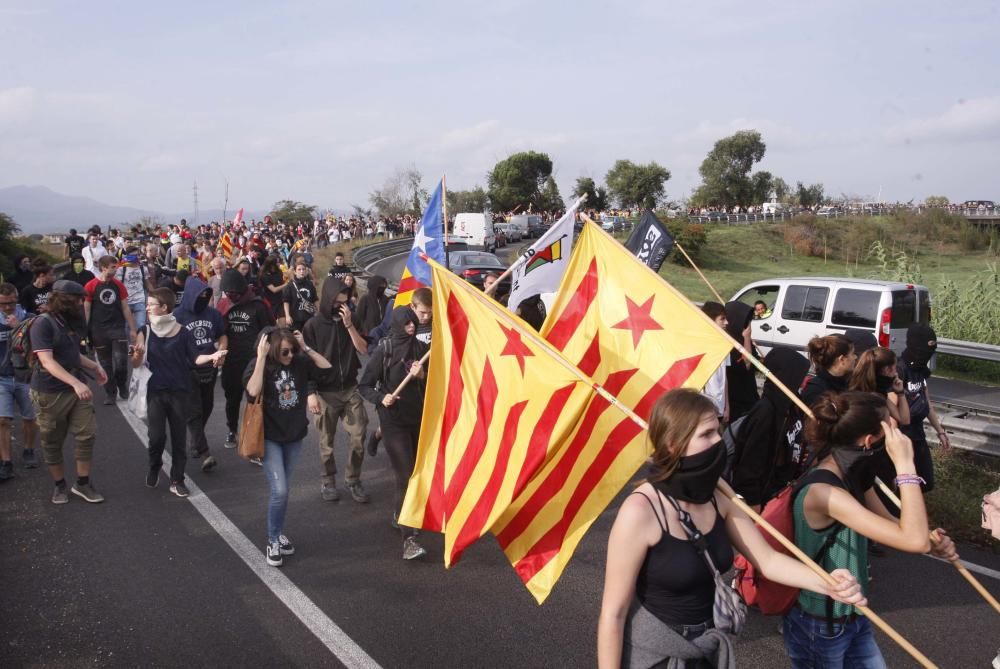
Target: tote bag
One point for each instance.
(252, 430)
(138, 383)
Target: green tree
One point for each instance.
(551, 199)
(292, 212)
(725, 173)
(809, 196)
(518, 180)
(937, 201)
(401, 193)
(633, 185)
(597, 196)
(474, 200)
(781, 189)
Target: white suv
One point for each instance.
(798, 309)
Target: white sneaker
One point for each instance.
(274, 554)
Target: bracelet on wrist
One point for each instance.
(909, 478)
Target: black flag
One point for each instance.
(650, 241)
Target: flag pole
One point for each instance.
(500, 312)
(409, 375)
(935, 538)
(444, 216)
(819, 571)
(522, 258)
(681, 249)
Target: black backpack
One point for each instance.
(19, 353)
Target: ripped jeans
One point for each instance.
(279, 461)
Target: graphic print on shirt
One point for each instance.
(288, 395)
(107, 295)
(132, 278)
(239, 320)
(202, 331)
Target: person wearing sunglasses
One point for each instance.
(285, 373)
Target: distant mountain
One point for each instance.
(38, 209)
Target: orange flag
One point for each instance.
(637, 336)
(498, 398)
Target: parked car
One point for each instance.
(798, 309)
(828, 212)
(615, 223)
(500, 237)
(526, 223)
(511, 231)
(536, 227)
(474, 265)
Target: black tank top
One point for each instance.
(674, 583)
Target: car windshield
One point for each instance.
(482, 259)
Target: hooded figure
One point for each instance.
(325, 332)
(912, 368)
(768, 441)
(741, 379)
(233, 284)
(371, 308)
(194, 313)
(389, 365)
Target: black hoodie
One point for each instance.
(326, 334)
(403, 350)
(244, 319)
(912, 368)
(741, 382)
(768, 443)
(201, 320)
(371, 308)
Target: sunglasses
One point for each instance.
(287, 351)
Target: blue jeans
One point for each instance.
(279, 461)
(14, 398)
(139, 314)
(850, 645)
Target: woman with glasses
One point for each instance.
(284, 371)
(172, 352)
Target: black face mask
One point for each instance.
(695, 479)
(858, 465)
(883, 384)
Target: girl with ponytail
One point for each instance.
(833, 360)
(836, 512)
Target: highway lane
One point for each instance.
(144, 580)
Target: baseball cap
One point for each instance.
(67, 287)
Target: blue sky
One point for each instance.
(130, 102)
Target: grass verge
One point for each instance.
(961, 480)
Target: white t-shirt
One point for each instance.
(133, 278)
(91, 255)
(715, 388)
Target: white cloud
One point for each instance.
(17, 104)
(965, 121)
(367, 148)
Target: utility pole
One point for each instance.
(225, 204)
(194, 222)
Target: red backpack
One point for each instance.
(769, 597)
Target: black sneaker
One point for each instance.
(372, 444)
(29, 459)
(6, 470)
(109, 400)
(196, 454)
(87, 492)
(179, 489)
(358, 493)
(231, 440)
(395, 520)
(412, 549)
(152, 477)
(209, 464)
(285, 546)
(273, 553)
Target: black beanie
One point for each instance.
(233, 281)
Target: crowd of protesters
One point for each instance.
(195, 304)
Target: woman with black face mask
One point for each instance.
(836, 512)
(875, 372)
(914, 369)
(658, 588)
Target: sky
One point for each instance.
(130, 103)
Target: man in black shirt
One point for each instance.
(245, 315)
(78, 271)
(107, 313)
(63, 399)
(35, 296)
(74, 244)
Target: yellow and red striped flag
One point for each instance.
(498, 396)
(638, 337)
(226, 242)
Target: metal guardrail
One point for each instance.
(969, 349)
(364, 256)
(981, 215)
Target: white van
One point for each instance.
(798, 309)
(476, 230)
(773, 208)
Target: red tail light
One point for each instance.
(470, 272)
(883, 327)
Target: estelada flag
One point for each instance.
(427, 241)
(498, 398)
(638, 337)
(227, 245)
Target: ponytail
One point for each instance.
(824, 351)
(843, 419)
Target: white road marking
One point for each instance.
(317, 622)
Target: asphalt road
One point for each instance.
(145, 580)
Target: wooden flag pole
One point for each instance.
(935, 538)
(409, 375)
(819, 571)
(444, 222)
(707, 283)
